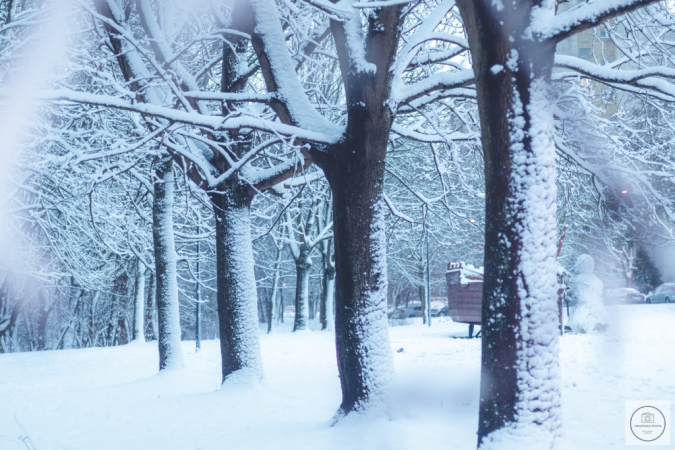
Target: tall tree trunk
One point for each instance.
(45, 311)
(71, 327)
(166, 284)
(91, 322)
(302, 267)
(273, 305)
(151, 313)
(326, 311)
(122, 331)
(236, 286)
(520, 378)
(422, 292)
(139, 303)
(122, 328)
(354, 168)
(198, 298)
(629, 271)
(7, 325)
(110, 330)
(361, 327)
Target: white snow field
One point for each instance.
(111, 398)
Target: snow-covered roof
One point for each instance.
(468, 273)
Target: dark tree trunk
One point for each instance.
(45, 311)
(520, 370)
(110, 332)
(356, 177)
(7, 327)
(273, 302)
(72, 327)
(122, 335)
(354, 168)
(422, 292)
(77, 318)
(361, 327)
(166, 284)
(302, 267)
(236, 286)
(151, 310)
(327, 309)
(117, 333)
(91, 322)
(138, 331)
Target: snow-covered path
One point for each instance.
(98, 399)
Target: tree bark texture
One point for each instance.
(236, 286)
(273, 304)
(361, 327)
(354, 168)
(166, 284)
(139, 303)
(520, 380)
(327, 307)
(45, 310)
(302, 267)
(151, 310)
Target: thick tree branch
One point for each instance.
(435, 82)
(215, 123)
(653, 79)
(580, 18)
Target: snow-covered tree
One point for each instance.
(513, 54)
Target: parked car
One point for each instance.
(406, 313)
(416, 311)
(662, 294)
(623, 295)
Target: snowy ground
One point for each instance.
(98, 399)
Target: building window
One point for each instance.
(603, 33)
(585, 52)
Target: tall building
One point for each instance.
(595, 46)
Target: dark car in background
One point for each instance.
(622, 296)
(662, 294)
(416, 311)
(406, 313)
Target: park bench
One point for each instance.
(465, 294)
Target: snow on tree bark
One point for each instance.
(302, 267)
(166, 284)
(326, 314)
(236, 293)
(520, 379)
(151, 316)
(361, 326)
(354, 168)
(512, 46)
(139, 303)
